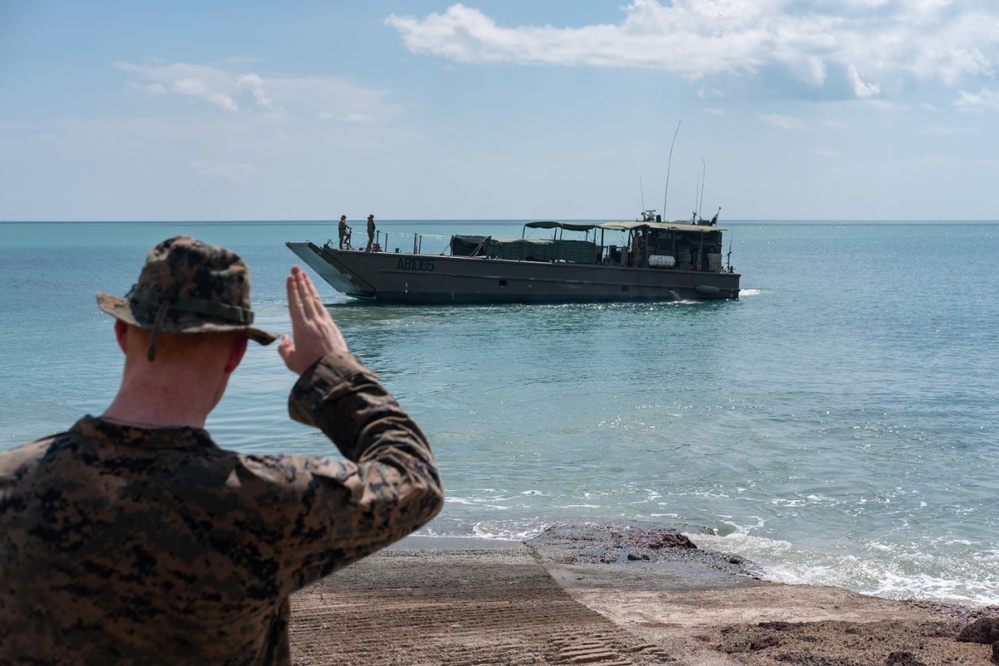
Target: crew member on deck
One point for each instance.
(714, 220)
(344, 232)
(371, 231)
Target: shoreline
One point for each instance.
(586, 594)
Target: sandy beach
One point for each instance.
(610, 596)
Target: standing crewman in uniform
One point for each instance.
(344, 231)
(371, 231)
(133, 538)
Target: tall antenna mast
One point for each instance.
(697, 188)
(669, 162)
(704, 173)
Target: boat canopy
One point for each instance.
(551, 224)
(660, 226)
(624, 226)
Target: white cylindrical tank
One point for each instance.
(661, 261)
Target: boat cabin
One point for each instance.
(645, 244)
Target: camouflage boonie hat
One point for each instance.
(188, 286)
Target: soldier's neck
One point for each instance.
(162, 402)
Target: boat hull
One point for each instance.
(406, 278)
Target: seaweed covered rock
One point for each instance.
(983, 630)
(628, 546)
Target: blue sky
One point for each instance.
(498, 109)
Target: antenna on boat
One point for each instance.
(697, 209)
(704, 173)
(641, 190)
(669, 162)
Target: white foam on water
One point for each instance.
(505, 531)
(949, 572)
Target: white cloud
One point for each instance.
(204, 82)
(359, 118)
(782, 122)
(861, 88)
(984, 100)
(794, 123)
(255, 85)
(148, 89)
(195, 87)
(859, 48)
(276, 99)
(350, 118)
(948, 131)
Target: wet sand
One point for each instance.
(581, 596)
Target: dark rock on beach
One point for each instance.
(983, 630)
(629, 546)
(903, 658)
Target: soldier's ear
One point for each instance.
(121, 333)
(236, 351)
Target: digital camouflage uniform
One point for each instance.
(121, 544)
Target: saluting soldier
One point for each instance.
(133, 538)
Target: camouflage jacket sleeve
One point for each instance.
(387, 487)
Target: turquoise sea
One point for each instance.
(839, 424)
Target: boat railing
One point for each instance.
(418, 239)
